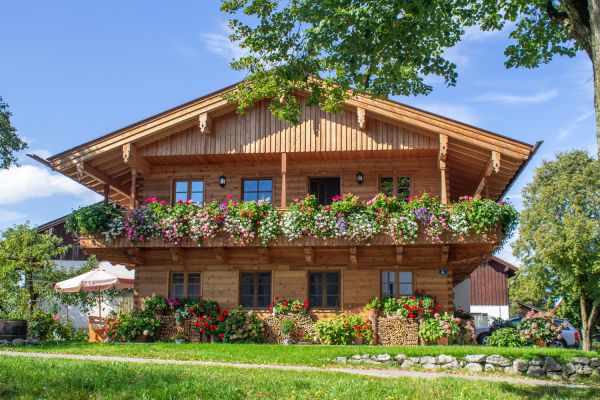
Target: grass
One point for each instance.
(287, 355)
(29, 378)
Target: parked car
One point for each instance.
(571, 338)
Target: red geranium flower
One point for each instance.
(411, 315)
(197, 325)
(305, 303)
(438, 306)
(413, 298)
(191, 309)
(202, 330)
(356, 327)
(284, 303)
(222, 335)
(296, 307)
(220, 318)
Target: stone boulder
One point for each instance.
(475, 358)
(444, 359)
(535, 370)
(520, 365)
(550, 365)
(400, 358)
(383, 358)
(428, 360)
(580, 360)
(474, 367)
(407, 363)
(498, 360)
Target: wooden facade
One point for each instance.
(57, 227)
(206, 140)
(489, 282)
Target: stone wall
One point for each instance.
(394, 331)
(537, 367)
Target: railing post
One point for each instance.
(283, 180)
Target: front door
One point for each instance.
(325, 189)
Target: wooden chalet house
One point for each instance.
(204, 150)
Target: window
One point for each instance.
(394, 284)
(398, 186)
(189, 190)
(258, 189)
(480, 320)
(185, 285)
(255, 289)
(324, 289)
(325, 189)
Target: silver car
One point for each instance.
(570, 336)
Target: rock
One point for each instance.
(19, 342)
(415, 360)
(400, 358)
(475, 358)
(489, 367)
(407, 364)
(568, 369)
(383, 358)
(430, 366)
(452, 365)
(444, 359)
(474, 367)
(555, 376)
(498, 360)
(584, 370)
(4, 343)
(341, 360)
(550, 365)
(580, 360)
(356, 357)
(34, 342)
(520, 365)
(463, 363)
(428, 360)
(365, 356)
(595, 362)
(538, 362)
(535, 370)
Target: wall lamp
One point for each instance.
(443, 273)
(360, 178)
(222, 181)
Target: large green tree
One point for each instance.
(10, 143)
(560, 231)
(388, 47)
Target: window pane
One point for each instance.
(265, 185)
(264, 196)
(405, 289)
(180, 196)
(316, 289)
(197, 186)
(250, 185)
(386, 186)
(193, 285)
(403, 187)
(250, 196)
(177, 285)
(388, 285)
(405, 277)
(198, 197)
(181, 186)
(333, 289)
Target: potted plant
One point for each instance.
(286, 326)
(156, 304)
(439, 329)
(180, 337)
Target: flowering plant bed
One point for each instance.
(345, 329)
(439, 327)
(417, 305)
(539, 328)
(348, 218)
(285, 306)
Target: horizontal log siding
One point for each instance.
(257, 131)
(424, 175)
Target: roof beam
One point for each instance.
(132, 158)
(493, 165)
(83, 168)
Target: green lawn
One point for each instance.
(291, 355)
(28, 378)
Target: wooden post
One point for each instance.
(106, 193)
(283, 180)
(443, 187)
(133, 188)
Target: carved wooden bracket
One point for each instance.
(361, 115)
(496, 161)
(443, 147)
(399, 255)
(353, 258)
(205, 123)
(309, 255)
(134, 160)
(178, 255)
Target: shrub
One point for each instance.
(539, 327)
(506, 337)
(283, 306)
(374, 304)
(155, 303)
(440, 326)
(286, 326)
(98, 218)
(45, 326)
(343, 329)
(242, 327)
(127, 326)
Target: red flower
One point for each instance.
(276, 298)
(192, 309)
(206, 324)
(420, 304)
(438, 306)
(346, 324)
(284, 303)
(202, 330)
(296, 307)
(357, 333)
(368, 321)
(413, 298)
(212, 327)
(305, 303)
(220, 318)
(356, 327)
(411, 315)
(375, 340)
(197, 325)
(222, 335)
(405, 305)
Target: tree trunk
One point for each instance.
(31, 291)
(587, 323)
(594, 10)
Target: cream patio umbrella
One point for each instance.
(96, 280)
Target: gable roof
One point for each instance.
(469, 147)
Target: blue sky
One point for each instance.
(72, 71)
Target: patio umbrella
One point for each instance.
(96, 280)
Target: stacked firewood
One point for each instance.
(395, 331)
(303, 328)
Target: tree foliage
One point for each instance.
(385, 47)
(10, 143)
(559, 233)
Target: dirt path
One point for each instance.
(381, 373)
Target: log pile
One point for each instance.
(395, 331)
(168, 329)
(303, 328)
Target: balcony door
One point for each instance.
(325, 188)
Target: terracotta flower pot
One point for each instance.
(443, 341)
(540, 343)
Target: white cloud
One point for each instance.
(8, 217)
(458, 112)
(26, 182)
(219, 44)
(503, 98)
(571, 126)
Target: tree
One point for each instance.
(532, 285)
(26, 254)
(560, 230)
(385, 47)
(10, 143)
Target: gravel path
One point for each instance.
(381, 373)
